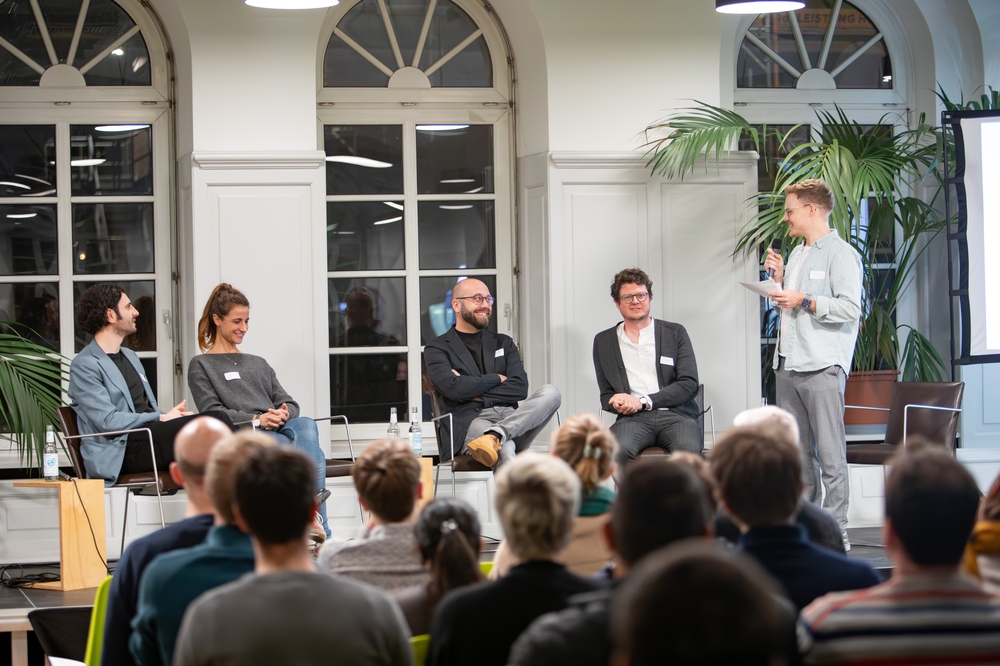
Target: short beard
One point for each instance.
(470, 318)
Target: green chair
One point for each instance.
(95, 638)
(420, 645)
(486, 568)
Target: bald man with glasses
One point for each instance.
(647, 374)
(481, 381)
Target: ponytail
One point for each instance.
(588, 446)
(447, 531)
(223, 299)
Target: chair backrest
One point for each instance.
(441, 431)
(95, 639)
(61, 631)
(935, 426)
(67, 422)
(420, 645)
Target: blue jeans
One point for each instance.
(301, 433)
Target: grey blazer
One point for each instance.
(102, 402)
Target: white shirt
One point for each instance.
(791, 278)
(640, 360)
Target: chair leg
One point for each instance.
(437, 477)
(121, 551)
(453, 493)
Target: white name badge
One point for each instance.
(499, 353)
(143, 378)
(666, 360)
(230, 376)
(817, 275)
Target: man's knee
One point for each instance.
(550, 395)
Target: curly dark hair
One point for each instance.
(92, 308)
(631, 276)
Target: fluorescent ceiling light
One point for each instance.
(455, 207)
(10, 184)
(40, 194)
(21, 216)
(120, 128)
(292, 4)
(118, 52)
(37, 180)
(439, 128)
(97, 161)
(478, 189)
(449, 181)
(757, 6)
(393, 204)
(358, 161)
(389, 221)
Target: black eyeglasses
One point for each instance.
(638, 298)
(477, 299)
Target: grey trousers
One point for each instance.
(658, 427)
(816, 400)
(519, 426)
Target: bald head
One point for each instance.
(778, 421)
(470, 287)
(471, 316)
(193, 444)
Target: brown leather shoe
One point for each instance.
(484, 449)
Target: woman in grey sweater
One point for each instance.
(244, 386)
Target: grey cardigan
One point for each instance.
(241, 385)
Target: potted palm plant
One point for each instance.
(871, 170)
(31, 389)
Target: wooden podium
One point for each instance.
(81, 565)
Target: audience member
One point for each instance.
(448, 533)
(982, 554)
(191, 449)
(660, 502)
(173, 580)
(387, 478)
(537, 497)
(928, 612)
(692, 604)
(285, 612)
(590, 449)
(759, 473)
(821, 527)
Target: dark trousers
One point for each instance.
(138, 457)
(659, 427)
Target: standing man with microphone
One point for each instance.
(820, 305)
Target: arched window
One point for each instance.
(415, 122)
(84, 171)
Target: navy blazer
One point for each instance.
(102, 402)
(458, 392)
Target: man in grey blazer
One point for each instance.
(647, 374)
(109, 391)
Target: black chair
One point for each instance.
(161, 481)
(62, 631)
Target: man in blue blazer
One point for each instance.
(109, 391)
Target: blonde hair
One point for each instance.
(812, 191)
(588, 446)
(538, 496)
(220, 473)
(223, 299)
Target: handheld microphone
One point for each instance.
(776, 246)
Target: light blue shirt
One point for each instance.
(831, 276)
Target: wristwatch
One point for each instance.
(807, 302)
(646, 403)
(256, 421)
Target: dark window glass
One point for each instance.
(111, 159)
(449, 27)
(128, 65)
(470, 68)
(407, 21)
(149, 367)
(106, 22)
(456, 234)
(367, 312)
(113, 238)
(134, 290)
(28, 240)
(364, 387)
(364, 24)
(14, 72)
(362, 236)
(20, 29)
(33, 308)
(144, 338)
(436, 314)
(756, 69)
(364, 159)
(343, 67)
(27, 159)
(774, 150)
(60, 19)
(452, 159)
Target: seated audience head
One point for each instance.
(192, 447)
(387, 478)
(538, 496)
(692, 604)
(659, 502)
(220, 474)
(783, 422)
(275, 495)
(447, 531)
(700, 467)
(588, 446)
(759, 472)
(105, 304)
(930, 507)
(220, 303)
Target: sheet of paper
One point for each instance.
(764, 287)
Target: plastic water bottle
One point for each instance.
(416, 435)
(50, 458)
(393, 431)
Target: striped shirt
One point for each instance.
(914, 619)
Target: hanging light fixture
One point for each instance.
(756, 6)
(292, 4)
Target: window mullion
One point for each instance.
(64, 227)
(411, 253)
